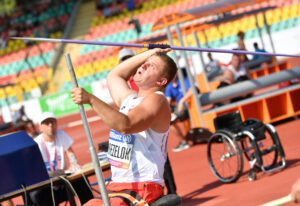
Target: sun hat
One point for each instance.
(125, 52)
(47, 115)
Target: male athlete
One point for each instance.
(139, 130)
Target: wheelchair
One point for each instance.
(258, 142)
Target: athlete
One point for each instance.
(139, 130)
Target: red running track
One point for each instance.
(195, 182)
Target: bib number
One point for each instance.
(120, 149)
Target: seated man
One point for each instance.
(258, 60)
(139, 130)
(213, 68)
(54, 144)
(180, 111)
(236, 72)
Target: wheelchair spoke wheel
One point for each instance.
(267, 147)
(225, 156)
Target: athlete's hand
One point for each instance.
(163, 50)
(80, 96)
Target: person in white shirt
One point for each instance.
(54, 144)
(213, 68)
(236, 71)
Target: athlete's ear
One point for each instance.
(163, 81)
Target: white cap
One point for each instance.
(47, 115)
(125, 52)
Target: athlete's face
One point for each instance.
(149, 73)
(49, 126)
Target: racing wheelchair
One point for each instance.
(257, 141)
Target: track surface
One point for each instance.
(195, 182)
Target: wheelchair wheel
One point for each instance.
(267, 149)
(225, 156)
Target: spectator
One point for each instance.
(20, 119)
(257, 49)
(258, 60)
(241, 45)
(2, 41)
(236, 71)
(123, 55)
(180, 112)
(130, 5)
(106, 11)
(54, 144)
(137, 26)
(144, 117)
(213, 68)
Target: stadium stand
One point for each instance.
(25, 67)
(95, 59)
(26, 64)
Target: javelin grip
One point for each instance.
(162, 46)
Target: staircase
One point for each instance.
(80, 27)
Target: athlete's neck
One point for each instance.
(144, 93)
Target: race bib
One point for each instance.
(120, 149)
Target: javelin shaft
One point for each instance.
(92, 149)
(150, 46)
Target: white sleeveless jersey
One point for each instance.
(148, 155)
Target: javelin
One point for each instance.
(151, 46)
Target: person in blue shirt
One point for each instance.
(174, 92)
(257, 49)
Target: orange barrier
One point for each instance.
(271, 107)
(272, 68)
(212, 86)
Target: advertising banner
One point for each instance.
(61, 103)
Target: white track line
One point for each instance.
(79, 122)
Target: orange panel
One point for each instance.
(295, 99)
(277, 105)
(255, 110)
(195, 119)
(273, 69)
(253, 75)
(194, 113)
(201, 83)
(209, 121)
(284, 66)
(214, 85)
